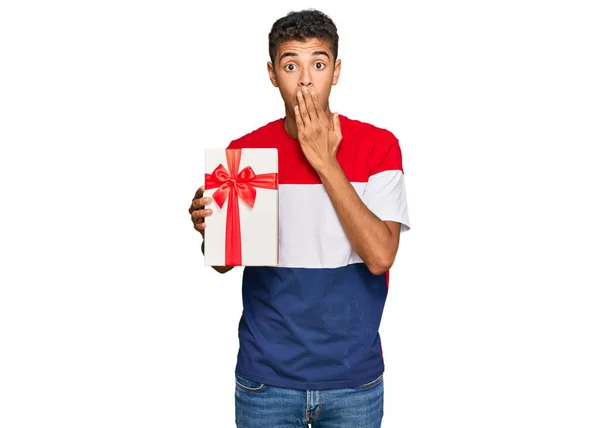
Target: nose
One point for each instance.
(305, 78)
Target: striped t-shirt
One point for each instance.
(312, 321)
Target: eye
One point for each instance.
(319, 65)
(289, 67)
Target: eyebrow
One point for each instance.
(315, 53)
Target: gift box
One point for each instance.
(243, 229)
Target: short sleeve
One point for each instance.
(385, 192)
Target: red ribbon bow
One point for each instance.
(233, 184)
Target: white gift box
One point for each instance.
(244, 230)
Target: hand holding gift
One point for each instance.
(198, 211)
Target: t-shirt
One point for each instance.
(312, 321)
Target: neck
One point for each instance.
(290, 121)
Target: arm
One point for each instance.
(375, 241)
(319, 134)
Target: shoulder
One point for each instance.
(374, 138)
(258, 137)
(378, 145)
(366, 130)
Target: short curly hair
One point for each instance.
(302, 25)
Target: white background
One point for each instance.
(108, 317)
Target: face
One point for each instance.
(304, 63)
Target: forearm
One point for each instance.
(222, 269)
(369, 236)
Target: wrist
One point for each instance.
(328, 168)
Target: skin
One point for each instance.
(304, 72)
(298, 65)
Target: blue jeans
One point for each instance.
(264, 406)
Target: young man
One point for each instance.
(309, 344)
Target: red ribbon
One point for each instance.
(233, 184)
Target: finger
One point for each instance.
(197, 195)
(199, 192)
(196, 205)
(336, 123)
(201, 214)
(316, 107)
(200, 203)
(310, 105)
(299, 123)
(200, 227)
(303, 110)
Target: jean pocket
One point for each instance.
(370, 384)
(248, 385)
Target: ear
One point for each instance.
(272, 75)
(336, 72)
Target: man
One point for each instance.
(309, 344)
